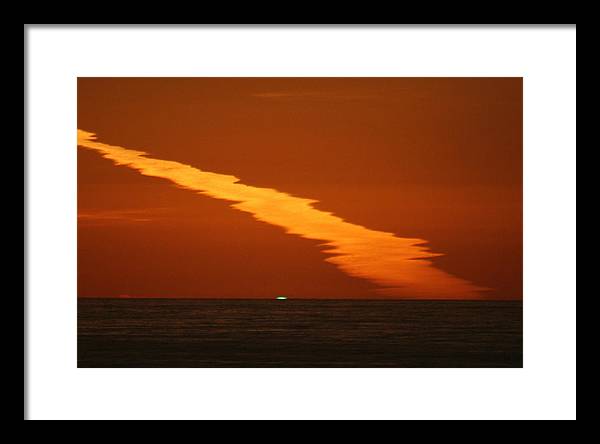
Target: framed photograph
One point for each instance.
(298, 223)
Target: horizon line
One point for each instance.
(273, 298)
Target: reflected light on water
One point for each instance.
(398, 266)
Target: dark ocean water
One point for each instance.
(297, 333)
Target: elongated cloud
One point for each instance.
(398, 266)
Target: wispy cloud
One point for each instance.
(135, 215)
(312, 96)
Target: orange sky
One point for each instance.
(432, 159)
